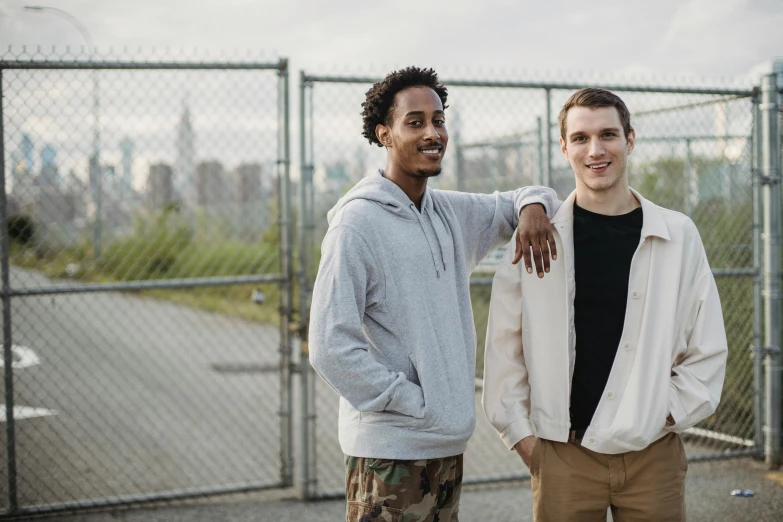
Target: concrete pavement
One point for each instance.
(708, 500)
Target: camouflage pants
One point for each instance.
(403, 490)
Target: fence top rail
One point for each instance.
(280, 65)
(134, 286)
(311, 79)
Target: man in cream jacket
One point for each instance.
(593, 371)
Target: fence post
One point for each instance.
(548, 130)
(692, 179)
(460, 165)
(540, 144)
(308, 478)
(757, 347)
(286, 271)
(10, 428)
(313, 417)
(770, 170)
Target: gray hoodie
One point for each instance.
(391, 325)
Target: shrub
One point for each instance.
(21, 230)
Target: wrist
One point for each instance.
(531, 205)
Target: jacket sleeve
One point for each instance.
(489, 220)
(698, 373)
(506, 395)
(347, 284)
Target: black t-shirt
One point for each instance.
(603, 249)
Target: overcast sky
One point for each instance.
(660, 38)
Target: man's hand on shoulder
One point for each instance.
(525, 449)
(535, 239)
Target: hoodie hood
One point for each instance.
(392, 198)
(380, 190)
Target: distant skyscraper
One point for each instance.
(49, 175)
(28, 152)
(48, 155)
(250, 212)
(80, 189)
(18, 174)
(184, 172)
(248, 183)
(109, 178)
(211, 184)
(126, 183)
(337, 176)
(160, 190)
(360, 167)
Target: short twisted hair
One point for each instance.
(379, 103)
(593, 99)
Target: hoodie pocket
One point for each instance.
(395, 418)
(430, 413)
(413, 374)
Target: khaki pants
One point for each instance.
(573, 484)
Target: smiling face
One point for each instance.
(415, 137)
(597, 148)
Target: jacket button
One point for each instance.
(635, 295)
(610, 395)
(591, 441)
(626, 346)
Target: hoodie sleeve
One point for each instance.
(489, 220)
(347, 284)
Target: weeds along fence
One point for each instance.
(698, 151)
(146, 280)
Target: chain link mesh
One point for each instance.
(693, 154)
(169, 175)
(121, 176)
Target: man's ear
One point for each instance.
(563, 148)
(383, 133)
(631, 140)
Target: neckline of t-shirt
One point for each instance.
(589, 213)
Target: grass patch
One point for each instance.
(163, 247)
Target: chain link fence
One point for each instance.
(694, 153)
(146, 280)
(147, 275)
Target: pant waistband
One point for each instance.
(576, 435)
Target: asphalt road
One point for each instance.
(149, 396)
(708, 499)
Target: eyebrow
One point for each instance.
(608, 129)
(421, 113)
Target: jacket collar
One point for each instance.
(653, 223)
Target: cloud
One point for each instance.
(721, 36)
(705, 37)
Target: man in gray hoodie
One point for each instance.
(391, 324)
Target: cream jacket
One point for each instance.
(672, 353)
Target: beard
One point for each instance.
(429, 174)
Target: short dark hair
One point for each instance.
(593, 99)
(379, 103)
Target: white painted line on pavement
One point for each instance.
(26, 412)
(23, 356)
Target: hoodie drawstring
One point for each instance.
(439, 212)
(429, 241)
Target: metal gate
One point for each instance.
(146, 280)
(698, 151)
